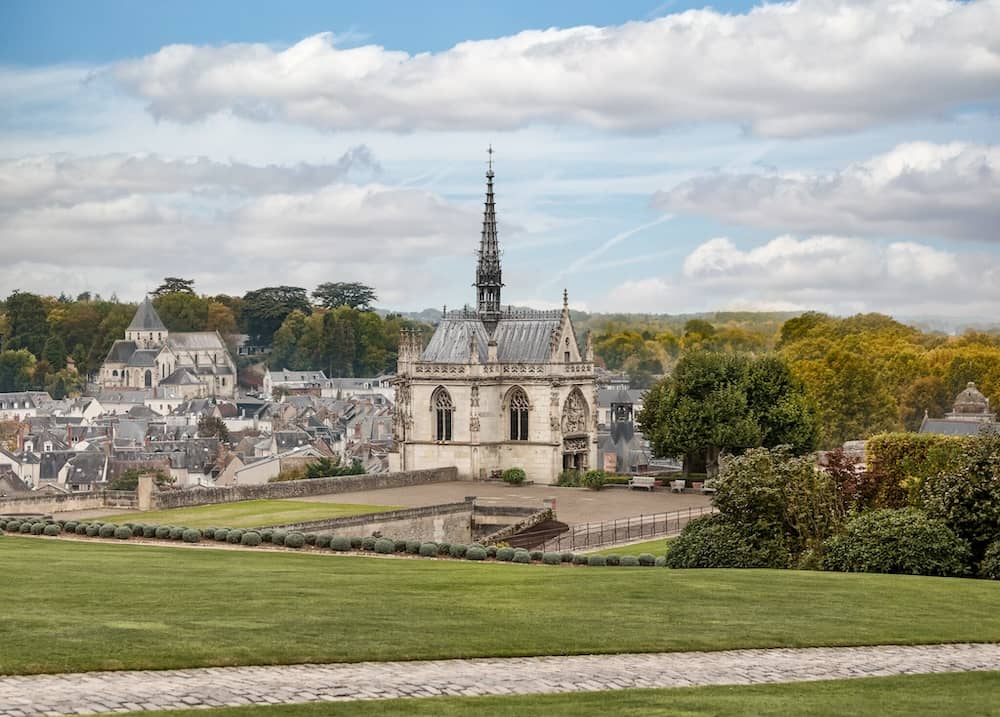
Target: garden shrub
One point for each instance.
(569, 478)
(989, 568)
(107, 530)
(191, 535)
(566, 556)
(137, 530)
(629, 561)
(251, 538)
(13, 526)
(278, 537)
(398, 546)
(491, 551)
(122, 532)
(356, 542)
(613, 559)
(384, 546)
(579, 559)
(221, 535)
(475, 553)
(661, 561)
(310, 538)
(208, 533)
(595, 479)
(26, 528)
(82, 528)
(295, 540)
(413, 547)
(505, 554)
(457, 550)
(444, 548)
(714, 542)
(521, 556)
(340, 543)
(596, 561)
(368, 542)
(176, 532)
(551, 558)
(514, 476)
(50, 530)
(536, 555)
(647, 559)
(234, 536)
(323, 541)
(898, 465)
(428, 550)
(902, 540)
(70, 526)
(149, 531)
(162, 531)
(37, 528)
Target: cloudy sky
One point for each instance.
(650, 156)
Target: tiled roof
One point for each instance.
(146, 318)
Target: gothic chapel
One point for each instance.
(496, 387)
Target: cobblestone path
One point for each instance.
(100, 692)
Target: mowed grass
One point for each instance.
(248, 513)
(964, 693)
(80, 605)
(656, 547)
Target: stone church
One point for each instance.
(191, 364)
(496, 387)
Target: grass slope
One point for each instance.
(75, 605)
(656, 547)
(248, 513)
(964, 693)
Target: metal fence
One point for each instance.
(624, 530)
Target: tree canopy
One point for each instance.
(265, 309)
(174, 285)
(351, 294)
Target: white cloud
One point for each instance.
(791, 69)
(918, 188)
(837, 274)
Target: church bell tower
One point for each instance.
(488, 279)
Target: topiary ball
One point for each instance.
(266, 535)
(176, 532)
(521, 556)
(475, 553)
(81, 529)
(123, 532)
(629, 561)
(191, 535)
(251, 538)
(108, 530)
(399, 546)
(323, 541)
(551, 558)
(26, 528)
(368, 542)
(234, 536)
(221, 535)
(384, 546)
(51, 530)
(428, 550)
(457, 550)
(491, 551)
(579, 560)
(278, 537)
(70, 526)
(596, 561)
(647, 559)
(149, 531)
(613, 559)
(137, 530)
(208, 533)
(295, 540)
(444, 548)
(536, 555)
(661, 562)
(37, 528)
(566, 556)
(505, 554)
(310, 538)
(413, 547)
(163, 532)
(13, 526)
(356, 542)
(340, 543)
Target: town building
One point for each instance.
(970, 414)
(496, 387)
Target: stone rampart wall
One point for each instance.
(55, 503)
(448, 522)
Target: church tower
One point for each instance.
(488, 279)
(147, 329)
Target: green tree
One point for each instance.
(265, 309)
(129, 480)
(64, 383)
(182, 311)
(174, 285)
(27, 321)
(345, 293)
(926, 395)
(285, 348)
(213, 427)
(55, 352)
(17, 370)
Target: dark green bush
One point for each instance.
(660, 562)
(595, 479)
(457, 550)
(122, 532)
(536, 555)
(514, 476)
(647, 559)
(596, 561)
(491, 551)
(629, 561)
(107, 530)
(266, 535)
(310, 538)
(569, 478)
(278, 537)
(356, 542)
(208, 533)
(70, 526)
(26, 527)
(713, 542)
(399, 546)
(323, 541)
(234, 536)
(613, 559)
(475, 553)
(384, 546)
(444, 548)
(896, 541)
(428, 550)
(149, 531)
(221, 535)
(579, 559)
(251, 538)
(989, 568)
(137, 530)
(413, 547)
(82, 528)
(368, 542)
(37, 528)
(162, 532)
(551, 558)
(176, 532)
(51, 530)
(340, 543)
(566, 556)
(13, 526)
(191, 535)
(505, 554)
(295, 540)
(521, 556)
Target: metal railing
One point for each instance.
(625, 530)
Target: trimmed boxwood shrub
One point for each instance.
(266, 535)
(384, 546)
(323, 541)
(514, 476)
(295, 540)
(162, 532)
(428, 550)
(579, 559)
(714, 542)
(123, 532)
(278, 537)
(208, 533)
(399, 546)
(896, 541)
(444, 548)
(594, 479)
(521, 556)
(989, 568)
(13, 526)
(251, 538)
(149, 531)
(137, 530)
(457, 550)
(613, 559)
(310, 538)
(51, 530)
(176, 532)
(629, 561)
(234, 536)
(413, 547)
(551, 558)
(356, 541)
(506, 554)
(82, 528)
(70, 526)
(475, 553)
(596, 561)
(368, 542)
(566, 556)
(491, 551)
(536, 555)
(26, 527)
(340, 543)
(37, 528)
(647, 559)
(661, 562)
(107, 530)
(191, 535)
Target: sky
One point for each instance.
(654, 157)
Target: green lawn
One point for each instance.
(72, 606)
(657, 547)
(964, 693)
(248, 513)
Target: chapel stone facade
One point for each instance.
(496, 387)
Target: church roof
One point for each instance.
(971, 400)
(146, 318)
(181, 377)
(944, 427)
(196, 340)
(523, 337)
(143, 357)
(121, 351)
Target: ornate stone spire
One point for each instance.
(488, 278)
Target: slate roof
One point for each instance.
(519, 339)
(143, 357)
(86, 468)
(607, 396)
(146, 318)
(181, 377)
(196, 340)
(944, 427)
(121, 351)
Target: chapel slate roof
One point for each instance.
(146, 318)
(121, 351)
(180, 377)
(519, 340)
(193, 340)
(144, 358)
(945, 427)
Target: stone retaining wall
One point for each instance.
(56, 503)
(448, 522)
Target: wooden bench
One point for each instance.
(642, 482)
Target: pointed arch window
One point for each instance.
(518, 409)
(444, 411)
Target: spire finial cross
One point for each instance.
(490, 152)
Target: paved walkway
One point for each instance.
(98, 692)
